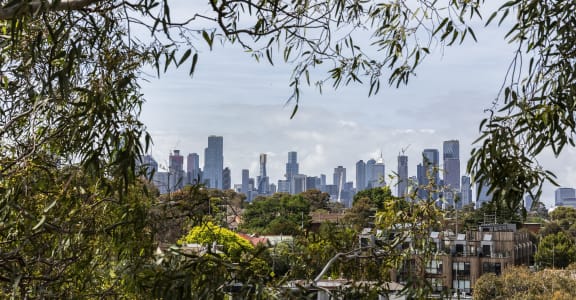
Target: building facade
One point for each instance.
(214, 162)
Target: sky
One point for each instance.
(233, 96)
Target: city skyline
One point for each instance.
(231, 95)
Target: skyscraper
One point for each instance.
(370, 173)
(466, 191)
(245, 181)
(263, 181)
(299, 183)
(402, 175)
(150, 164)
(483, 195)
(193, 168)
(292, 168)
(431, 162)
(360, 175)
(564, 196)
(176, 170)
(226, 179)
(339, 177)
(378, 173)
(451, 156)
(214, 162)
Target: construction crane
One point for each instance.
(404, 149)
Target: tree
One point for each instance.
(277, 214)
(69, 72)
(556, 251)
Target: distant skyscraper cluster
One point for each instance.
(450, 188)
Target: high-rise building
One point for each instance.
(292, 168)
(245, 181)
(360, 175)
(263, 181)
(451, 156)
(402, 175)
(339, 177)
(483, 195)
(312, 183)
(148, 162)
(466, 191)
(226, 179)
(193, 168)
(377, 179)
(214, 162)
(370, 177)
(564, 196)
(283, 186)
(528, 202)
(430, 174)
(298, 183)
(176, 170)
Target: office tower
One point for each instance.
(272, 189)
(176, 171)
(339, 177)
(214, 162)
(483, 195)
(150, 165)
(323, 182)
(360, 175)
(402, 175)
(263, 181)
(431, 161)
(378, 173)
(451, 156)
(312, 183)
(421, 181)
(370, 173)
(245, 181)
(193, 168)
(298, 183)
(466, 191)
(564, 196)
(283, 186)
(292, 168)
(226, 179)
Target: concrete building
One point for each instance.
(565, 197)
(360, 175)
(402, 175)
(193, 171)
(176, 170)
(292, 168)
(462, 258)
(214, 162)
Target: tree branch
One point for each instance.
(26, 7)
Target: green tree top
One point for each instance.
(207, 234)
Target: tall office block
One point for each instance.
(370, 177)
(431, 162)
(360, 175)
(263, 181)
(193, 168)
(564, 196)
(528, 202)
(283, 186)
(226, 179)
(245, 181)
(378, 178)
(298, 183)
(451, 156)
(402, 175)
(214, 162)
(176, 170)
(483, 195)
(292, 168)
(150, 164)
(339, 177)
(466, 191)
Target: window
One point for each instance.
(434, 267)
(486, 250)
(460, 269)
(489, 267)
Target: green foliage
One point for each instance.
(58, 223)
(208, 234)
(556, 251)
(520, 283)
(277, 214)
